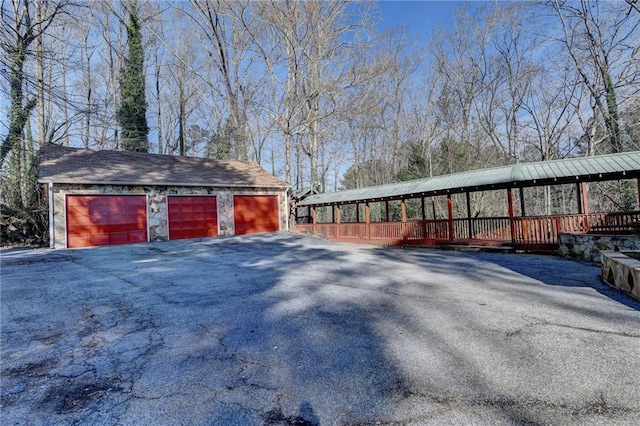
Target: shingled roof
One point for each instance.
(82, 166)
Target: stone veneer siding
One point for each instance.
(588, 246)
(621, 271)
(157, 205)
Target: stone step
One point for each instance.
(481, 247)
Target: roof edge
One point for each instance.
(515, 172)
(117, 183)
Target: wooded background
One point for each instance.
(317, 93)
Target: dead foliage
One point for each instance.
(23, 227)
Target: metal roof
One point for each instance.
(624, 165)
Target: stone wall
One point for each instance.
(157, 205)
(588, 246)
(621, 271)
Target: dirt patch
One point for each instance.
(31, 369)
(75, 397)
(275, 417)
(49, 258)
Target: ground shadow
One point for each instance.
(266, 329)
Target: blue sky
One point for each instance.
(420, 16)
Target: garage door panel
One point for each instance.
(99, 240)
(78, 220)
(98, 203)
(256, 213)
(119, 228)
(78, 209)
(138, 236)
(118, 237)
(192, 217)
(119, 219)
(138, 218)
(95, 220)
(77, 202)
(79, 241)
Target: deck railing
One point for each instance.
(528, 233)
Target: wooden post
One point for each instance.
(450, 216)
(314, 218)
(469, 220)
(337, 221)
(423, 228)
(585, 197)
(583, 203)
(522, 209)
(367, 219)
(580, 199)
(511, 215)
(386, 209)
(357, 212)
(638, 182)
(333, 214)
(403, 207)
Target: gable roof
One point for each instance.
(82, 166)
(624, 165)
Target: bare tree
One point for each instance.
(226, 44)
(601, 38)
(21, 27)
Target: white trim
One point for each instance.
(221, 186)
(217, 217)
(146, 203)
(286, 210)
(64, 218)
(52, 223)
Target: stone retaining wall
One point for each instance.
(621, 271)
(589, 246)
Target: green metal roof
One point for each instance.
(580, 169)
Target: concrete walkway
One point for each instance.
(282, 329)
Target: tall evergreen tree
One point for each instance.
(133, 104)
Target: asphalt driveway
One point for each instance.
(282, 329)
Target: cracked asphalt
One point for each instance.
(281, 329)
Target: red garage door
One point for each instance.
(192, 217)
(255, 213)
(99, 220)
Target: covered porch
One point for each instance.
(405, 213)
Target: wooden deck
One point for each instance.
(539, 233)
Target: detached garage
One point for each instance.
(114, 197)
